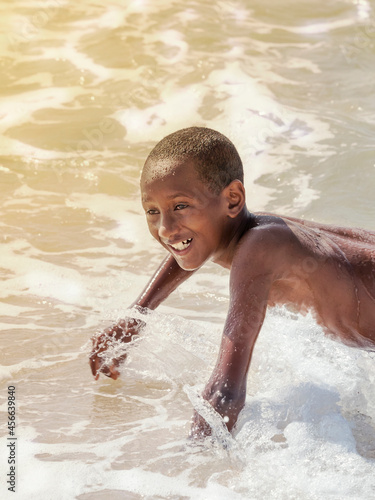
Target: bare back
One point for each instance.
(330, 270)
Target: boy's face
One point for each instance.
(183, 214)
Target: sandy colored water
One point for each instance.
(86, 89)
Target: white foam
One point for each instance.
(161, 119)
(317, 28)
(132, 228)
(40, 278)
(307, 429)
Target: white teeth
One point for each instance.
(182, 244)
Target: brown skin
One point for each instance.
(272, 260)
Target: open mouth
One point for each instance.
(182, 245)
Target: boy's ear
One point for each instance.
(234, 195)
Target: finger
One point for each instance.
(95, 364)
(114, 373)
(92, 362)
(105, 371)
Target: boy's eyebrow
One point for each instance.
(171, 196)
(179, 195)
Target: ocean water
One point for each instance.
(87, 88)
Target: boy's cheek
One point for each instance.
(153, 230)
(155, 234)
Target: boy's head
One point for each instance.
(192, 194)
(213, 155)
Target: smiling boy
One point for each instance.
(194, 200)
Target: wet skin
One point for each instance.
(272, 260)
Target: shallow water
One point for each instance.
(87, 88)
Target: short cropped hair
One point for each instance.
(215, 157)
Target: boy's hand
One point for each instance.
(121, 332)
(227, 407)
(199, 427)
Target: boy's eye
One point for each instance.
(151, 211)
(180, 206)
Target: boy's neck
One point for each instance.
(237, 228)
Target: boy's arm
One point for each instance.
(250, 285)
(166, 279)
(226, 388)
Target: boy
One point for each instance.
(194, 200)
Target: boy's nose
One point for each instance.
(167, 226)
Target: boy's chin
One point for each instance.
(188, 266)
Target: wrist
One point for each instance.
(226, 403)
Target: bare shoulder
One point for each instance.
(279, 245)
(276, 245)
(268, 246)
(273, 243)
